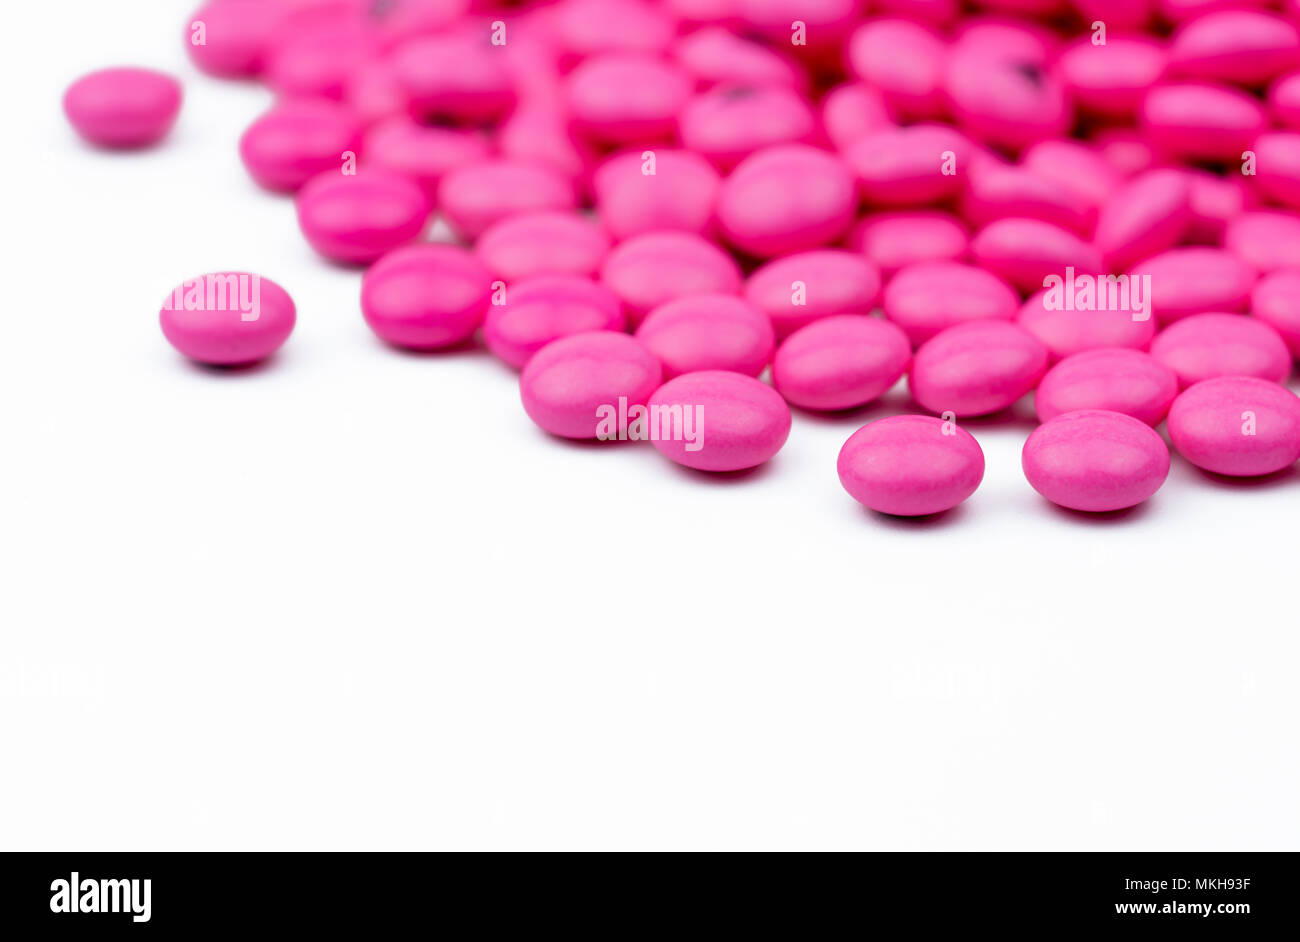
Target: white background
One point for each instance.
(356, 599)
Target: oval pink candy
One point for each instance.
(645, 191)
(549, 243)
(228, 318)
(730, 122)
(1266, 239)
(1237, 425)
(1069, 330)
(1147, 215)
(123, 107)
(892, 241)
(708, 332)
(297, 140)
(798, 289)
(1204, 346)
(1192, 279)
(977, 368)
(928, 297)
(425, 297)
(236, 35)
(1193, 121)
(654, 267)
(545, 308)
(1276, 302)
(357, 218)
(1109, 80)
(1026, 251)
(473, 196)
(911, 465)
(1095, 460)
(425, 153)
(840, 362)
(569, 387)
(1235, 46)
(739, 422)
(1127, 381)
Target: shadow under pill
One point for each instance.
(1287, 477)
(936, 521)
(1105, 518)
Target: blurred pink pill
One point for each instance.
(545, 308)
(928, 297)
(123, 107)
(1284, 100)
(1095, 460)
(317, 62)
(1127, 381)
(458, 75)
(622, 98)
(1109, 80)
(1237, 425)
(1266, 239)
(1204, 346)
(1192, 121)
(708, 332)
(476, 195)
(1117, 14)
(1125, 149)
(1147, 215)
(358, 218)
(840, 362)
(892, 241)
(934, 12)
(998, 191)
(911, 465)
(1073, 166)
(977, 368)
(1276, 302)
(716, 55)
(911, 166)
(786, 199)
(425, 297)
(903, 59)
(1241, 46)
(229, 38)
(588, 27)
(576, 385)
(1005, 100)
(539, 134)
(826, 24)
(1194, 279)
(852, 110)
(547, 243)
(798, 289)
(228, 318)
(730, 122)
(739, 422)
(1027, 251)
(1215, 200)
(1013, 38)
(655, 190)
(656, 267)
(374, 92)
(1179, 11)
(1277, 166)
(425, 153)
(1104, 319)
(297, 140)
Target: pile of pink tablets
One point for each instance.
(679, 219)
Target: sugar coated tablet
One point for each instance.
(840, 362)
(575, 386)
(737, 421)
(536, 311)
(546, 243)
(1095, 460)
(124, 107)
(1116, 380)
(425, 297)
(228, 318)
(1204, 346)
(473, 196)
(977, 368)
(895, 240)
(798, 289)
(1194, 279)
(654, 267)
(708, 332)
(928, 297)
(297, 140)
(1237, 425)
(357, 218)
(911, 465)
(1276, 302)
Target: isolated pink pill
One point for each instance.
(1127, 381)
(911, 465)
(928, 297)
(852, 110)
(229, 38)
(892, 241)
(424, 152)
(1193, 279)
(1095, 460)
(458, 75)
(473, 196)
(716, 55)
(996, 190)
(1242, 46)
(1109, 80)
(1204, 346)
(570, 387)
(549, 243)
(228, 318)
(1027, 251)
(643, 191)
(708, 332)
(426, 297)
(1066, 329)
(785, 199)
(729, 122)
(656, 267)
(124, 107)
(840, 362)
(1284, 100)
(1265, 239)
(739, 422)
(798, 289)
(1237, 425)
(977, 368)
(357, 218)
(904, 59)
(297, 140)
(912, 166)
(1148, 214)
(1276, 302)
(1200, 121)
(544, 308)
(624, 97)
(1277, 169)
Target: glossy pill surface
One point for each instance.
(1265, 239)
(1116, 380)
(840, 362)
(297, 140)
(1237, 425)
(549, 243)
(911, 465)
(356, 219)
(570, 385)
(1194, 279)
(977, 368)
(1095, 461)
(425, 297)
(655, 267)
(1276, 302)
(804, 287)
(1026, 251)
(228, 318)
(895, 240)
(928, 297)
(1066, 329)
(476, 195)
(1204, 346)
(661, 189)
(708, 332)
(739, 422)
(123, 107)
(545, 308)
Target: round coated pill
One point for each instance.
(1110, 79)
(716, 55)
(228, 318)
(892, 241)
(928, 297)
(1194, 279)
(1204, 346)
(357, 218)
(739, 422)
(571, 386)
(544, 308)
(230, 38)
(840, 362)
(123, 108)
(1277, 166)
(424, 152)
(912, 166)
(1199, 121)
(997, 190)
(911, 465)
(297, 140)
(425, 297)
(1265, 239)
(1120, 319)
(852, 110)
(729, 122)
(1026, 251)
(1242, 46)
(1116, 380)
(1005, 99)
(458, 75)
(904, 59)
(1095, 460)
(316, 62)
(655, 267)
(473, 196)
(643, 191)
(708, 332)
(977, 368)
(1148, 214)
(543, 244)
(626, 98)
(1237, 425)
(1276, 302)
(798, 289)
